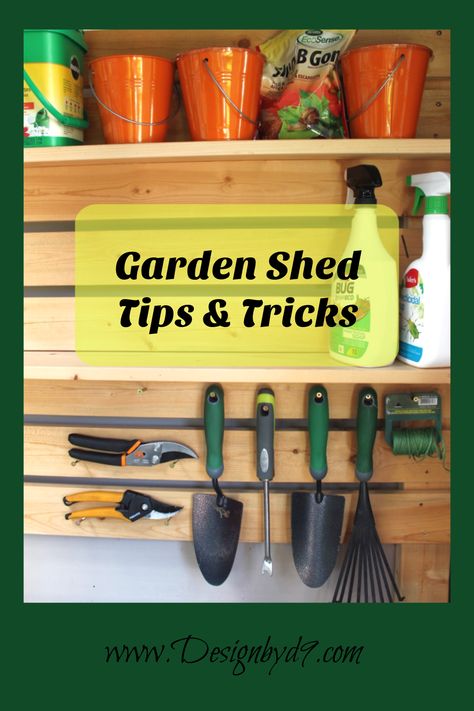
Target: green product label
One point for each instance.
(412, 315)
(352, 341)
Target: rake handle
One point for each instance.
(366, 431)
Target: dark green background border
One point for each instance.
(415, 654)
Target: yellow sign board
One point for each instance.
(213, 285)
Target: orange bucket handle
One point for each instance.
(382, 86)
(226, 96)
(129, 120)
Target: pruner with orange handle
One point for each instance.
(126, 452)
(131, 505)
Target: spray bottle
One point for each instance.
(373, 339)
(425, 288)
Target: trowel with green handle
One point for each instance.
(316, 518)
(216, 518)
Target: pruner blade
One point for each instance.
(163, 511)
(151, 453)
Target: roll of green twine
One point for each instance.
(418, 443)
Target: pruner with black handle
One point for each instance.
(131, 506)
(127, 452)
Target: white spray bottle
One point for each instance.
(425, 288)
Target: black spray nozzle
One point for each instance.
(362, 180)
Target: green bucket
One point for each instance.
(53, 102)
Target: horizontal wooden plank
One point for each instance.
(58, 193)
(348, 149)
(414, 517)
(46, 454)
(182, 399)
(424, 572)
(50, 321)
(60, 365)
(49, 256)
(48, 259)
(168, 43)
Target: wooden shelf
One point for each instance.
(190, 151)
(60, 365)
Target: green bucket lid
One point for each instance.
(76, 36)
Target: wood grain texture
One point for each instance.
(60, 365)
(168, 43)
(46, 454)
(424, 572)
(59, 193)
(49, 323)
(180, 399)
(48, 259)
(415, 517)
(185, 152)
(435, 112)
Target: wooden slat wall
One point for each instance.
(46, 455)
(59, 193)
(402, 517)
(424, 572)
(184, 399)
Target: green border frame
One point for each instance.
(415, 655)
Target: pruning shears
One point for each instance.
(131, 506)
(127, 452)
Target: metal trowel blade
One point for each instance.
(315, 535)
(216, 534)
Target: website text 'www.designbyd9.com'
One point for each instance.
(238, 656)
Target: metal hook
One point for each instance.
(220, 500)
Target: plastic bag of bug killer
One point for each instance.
(301, 91)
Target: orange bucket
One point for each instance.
(221, 92)
(134, 96)
(383, 88)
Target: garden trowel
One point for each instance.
(316, 518)
(216, 518)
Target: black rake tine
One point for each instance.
(380, 563)
(342, 580)
(389, 570)
(359, 570)
(377, 577)
(370, 568)
(353, 572)
(364, 571)
(350, 563)
(340, 585)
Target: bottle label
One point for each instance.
(412, 312)
(352, 341)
